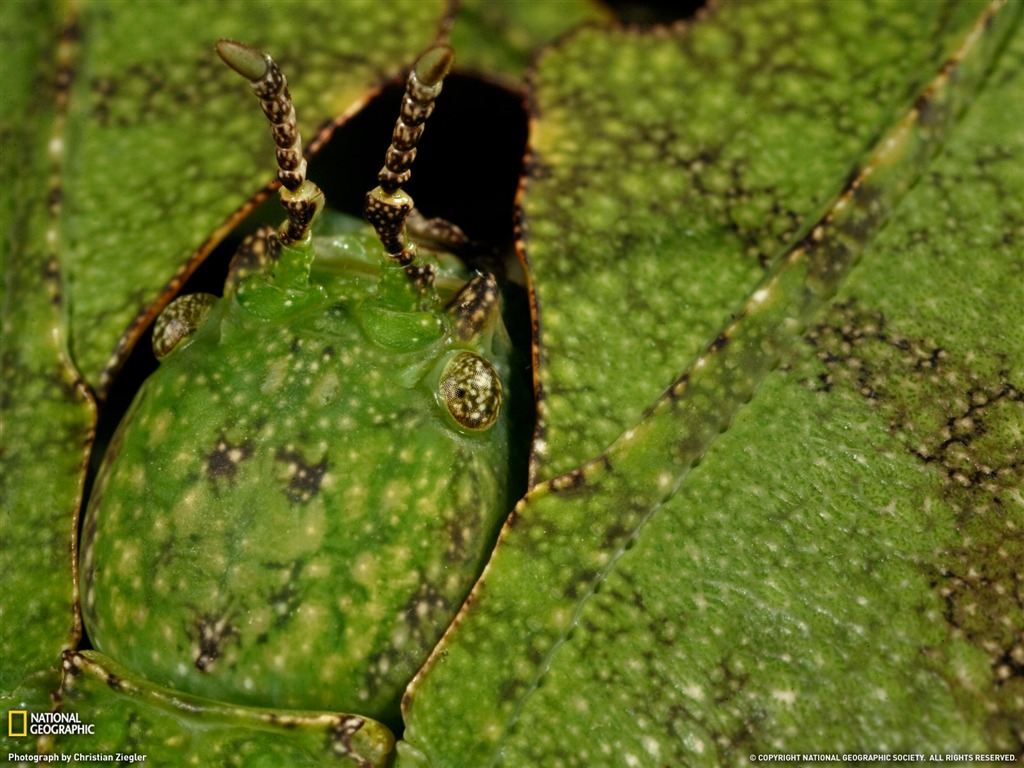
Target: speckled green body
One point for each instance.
(289, 517)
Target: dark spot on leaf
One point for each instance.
(114, 682)
(303, 478)
(54, 198)
(212, 633)
(223, 461)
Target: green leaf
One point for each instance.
(662, 205)
(498, 38)
(46, 412)
(837, 571)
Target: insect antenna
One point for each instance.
(387, 206)
(301, 198)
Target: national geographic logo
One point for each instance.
(21, 722)
(17, 722)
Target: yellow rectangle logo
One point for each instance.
(13, 729)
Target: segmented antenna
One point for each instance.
(387, 206)
(301, 198)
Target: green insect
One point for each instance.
(301, 496)
(755, 521)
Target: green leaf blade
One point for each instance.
(498, 39)
(46, 412)
(669, 170)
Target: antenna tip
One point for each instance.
(244, 59)
(433, 65)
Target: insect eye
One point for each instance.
(471, 390)
(179, 322)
